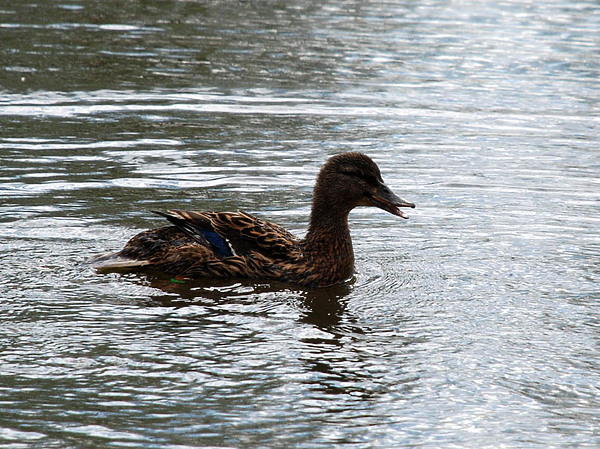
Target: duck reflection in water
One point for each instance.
(324, 308)
(329, 334)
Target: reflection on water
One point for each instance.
(323, 308)
(473, 324)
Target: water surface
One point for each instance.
(473, 324)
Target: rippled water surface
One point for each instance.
(473, 324)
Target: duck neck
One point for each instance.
(327, 247)
(328, 232)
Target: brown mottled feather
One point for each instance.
(244, 232)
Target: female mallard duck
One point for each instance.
(239, 245)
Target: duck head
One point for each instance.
(349, 180)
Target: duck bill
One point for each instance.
(387, 200)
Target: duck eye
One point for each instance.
(368, 178)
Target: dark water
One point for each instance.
(473, 324)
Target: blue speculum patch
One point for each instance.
(218, 243)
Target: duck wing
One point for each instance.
(235, 233)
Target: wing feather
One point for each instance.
(243, 232)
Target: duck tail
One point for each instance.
(115, 261)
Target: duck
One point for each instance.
(238, 245)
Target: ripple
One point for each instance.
(7, 434)
(48, 144)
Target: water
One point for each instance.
(473, 324)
